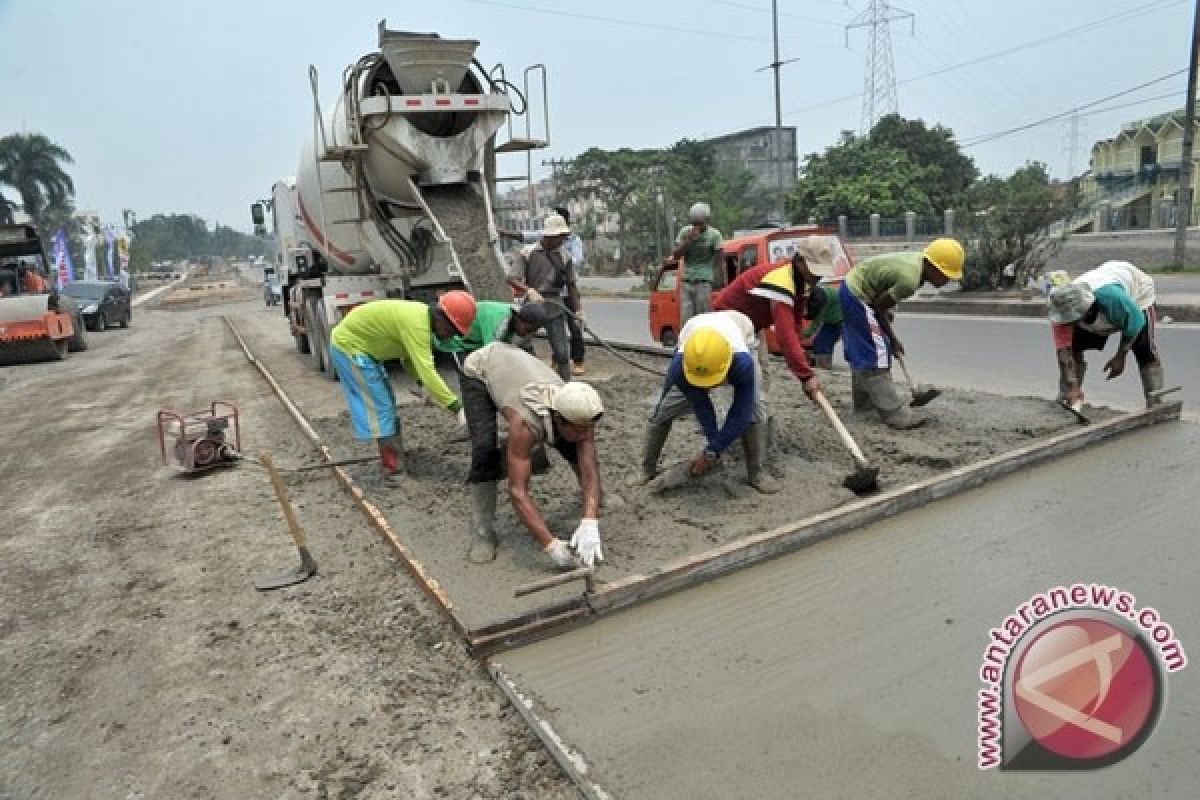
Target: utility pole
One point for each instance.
(879, 85)
(780, 202)
(1183, 210)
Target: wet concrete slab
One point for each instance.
(850, 669)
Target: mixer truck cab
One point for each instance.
(746, 250)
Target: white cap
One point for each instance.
(699, 212)
(1069, 303)
(578, 403)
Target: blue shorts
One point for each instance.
(866, 346)
(827, 336)
(368, 393)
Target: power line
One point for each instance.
(989, 137)
(635, 23)
(760, 9)
(1155, 6)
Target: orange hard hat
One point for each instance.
(459, 308)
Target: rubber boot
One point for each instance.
(754, 442)
(858, 391)
(391, 458)
(1152, 381)
(1080, 371)
(483, 523)
(892, 410)
(652, 447)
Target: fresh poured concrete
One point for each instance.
(850, 669)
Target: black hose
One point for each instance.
(605, 344)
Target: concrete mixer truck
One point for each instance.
(393, 193)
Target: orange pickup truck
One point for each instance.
(743, 252)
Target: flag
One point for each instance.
(63, 268)
(109, 241)
(89, 254)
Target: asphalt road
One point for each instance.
(1008, 356)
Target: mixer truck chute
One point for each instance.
(393, 194)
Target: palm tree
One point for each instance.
(32, 165)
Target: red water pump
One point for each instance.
(200, 439)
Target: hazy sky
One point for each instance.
(173, 106)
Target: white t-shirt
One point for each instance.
(735, 326)
(1136, 283)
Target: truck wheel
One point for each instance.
(316, 333)
(326, 330)
(668, 338)
(78, 342)
(128, 318)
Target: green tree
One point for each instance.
(616, 178)
(33, 166)
(1011, 222)
(858, 177)
(948, 172)
(174, 237)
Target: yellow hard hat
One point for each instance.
(706, 358)
(947, 255)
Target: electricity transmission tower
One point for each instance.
(1076, 128)
(879, 86)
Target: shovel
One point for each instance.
(672, 477)
(921, 394)
(864, 478)
(308, 567)
(1077, 412)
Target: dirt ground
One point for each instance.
(138, 660)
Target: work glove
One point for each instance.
(586, 541)
(533, 296)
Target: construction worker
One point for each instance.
(386, 330)
(540, 409)
(1115, 297)
(714, 348)
(698, 246)
(774, 294)
(544, 272)
(574, 247)
(868, 296)
(823, 325)
(495, 322)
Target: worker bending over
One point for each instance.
(868, 296)
(822, 325)
(539, 408)
(387, 330)
(495, 322)
(543, 273)
(714, 349)
(1115, 297)
(774, 294)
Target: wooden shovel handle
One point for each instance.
(281, 495)
(847, 439)
(912, 387)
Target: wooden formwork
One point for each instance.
(752, 549)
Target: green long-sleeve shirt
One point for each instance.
(387, 330)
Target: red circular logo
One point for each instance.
(1084, 689)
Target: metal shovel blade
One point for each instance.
(923, 395)
(1075, 412)
(863, 480)
(306, 569)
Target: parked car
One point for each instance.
(103, 303)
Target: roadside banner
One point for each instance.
(123, 249)
(109, 241)
(89, 254)
(63, 269)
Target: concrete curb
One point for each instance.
(1023, 308)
